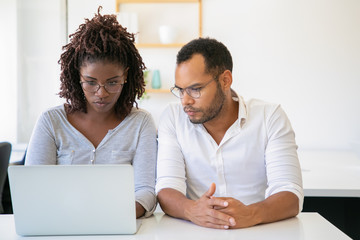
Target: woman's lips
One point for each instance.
(101, 104)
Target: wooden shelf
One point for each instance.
(151, 90)
(150, 45)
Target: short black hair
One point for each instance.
(216, 55)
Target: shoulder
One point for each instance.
(260, 104)
(139, 113)
(54, 112)
(173, 109)
(140, 116)
(261, 107)
(173, 118)
(272, 114)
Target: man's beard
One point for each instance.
(212, 111)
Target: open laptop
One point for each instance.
(73, 199)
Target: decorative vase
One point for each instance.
(156, 82)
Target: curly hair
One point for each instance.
(101, 39)
(217, 57)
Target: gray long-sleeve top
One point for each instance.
(55, 141)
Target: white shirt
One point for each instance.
(256, 158)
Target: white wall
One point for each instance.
(41, 34)
(302, 54)
(8, 79)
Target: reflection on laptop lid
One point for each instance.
(73, 199)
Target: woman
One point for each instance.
(101, 76)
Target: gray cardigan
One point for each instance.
(55, 141)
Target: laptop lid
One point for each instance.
(73, 199)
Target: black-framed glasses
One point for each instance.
(194, 92)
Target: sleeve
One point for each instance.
(144, 164)
(170, 163)
(42, 146)
(282, 163)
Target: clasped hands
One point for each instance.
(219, 212)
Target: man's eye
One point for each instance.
(195, 89)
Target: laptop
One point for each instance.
(73, 199)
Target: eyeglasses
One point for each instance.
(110, 87)
(194, 92)
(113, 86)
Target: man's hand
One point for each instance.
(225, 212)
(243, 215)
(279, 206)
(204, 211)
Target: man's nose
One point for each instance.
(187, 99)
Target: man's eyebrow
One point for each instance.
(191, 86)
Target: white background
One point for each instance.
(302, 54)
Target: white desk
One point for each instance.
(330, 173)
(161, 227)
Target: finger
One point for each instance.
(218, 226)
(212, 222)
(218, 202)
(219, 217)
(211, 190)
(218, 208)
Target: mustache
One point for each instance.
(188, 108)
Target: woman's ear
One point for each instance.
(126, 71)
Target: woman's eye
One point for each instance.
(112, 83)
(91, 83)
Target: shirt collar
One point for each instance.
(242, 115)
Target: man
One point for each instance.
(222, 162)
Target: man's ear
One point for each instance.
(226, 80)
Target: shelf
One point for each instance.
(154, 15)
(151, 90)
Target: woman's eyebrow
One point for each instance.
(86, 76)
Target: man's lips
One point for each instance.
(190, 112)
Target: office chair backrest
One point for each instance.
(5, 151)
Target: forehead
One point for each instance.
(191, 72)
(100, 67)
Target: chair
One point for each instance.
(5, 151)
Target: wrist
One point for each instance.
(187, 209)
(256, 214)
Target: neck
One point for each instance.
(218, 126)
(100, 117)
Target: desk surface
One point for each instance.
(330, 173)
(160, 226)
